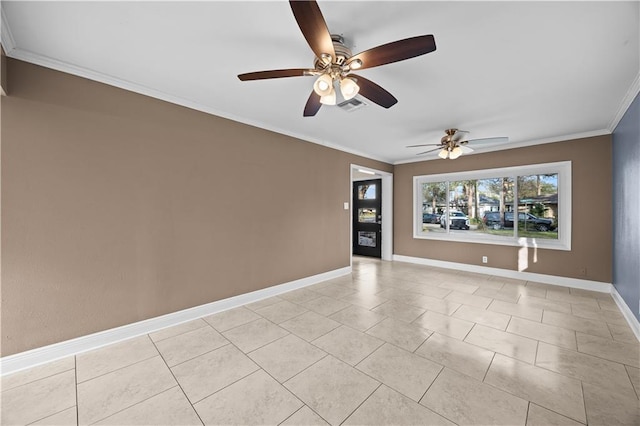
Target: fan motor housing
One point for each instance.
(343, 53)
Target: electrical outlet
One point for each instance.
(485, 259)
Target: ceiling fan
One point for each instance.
(334, 63)
(452, 144)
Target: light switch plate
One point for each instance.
(346, 206)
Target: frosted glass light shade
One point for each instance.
(443, 154)
(323, 85)
(348, 88)
(355, 64)
(455, 153)
(329, 99)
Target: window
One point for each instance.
(367, 191)
(524, 205)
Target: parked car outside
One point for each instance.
(430, 218)
(458, 220)
(492, 220)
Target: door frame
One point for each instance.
(387, 210)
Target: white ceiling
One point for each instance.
(532, 71)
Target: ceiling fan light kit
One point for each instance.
(349, 88)
(323, 85)
(334, 61)
(329, 99)
(455, 153)
(452, 145)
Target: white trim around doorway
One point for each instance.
(387, 209)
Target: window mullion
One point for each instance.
(447, 214)
(516, 218)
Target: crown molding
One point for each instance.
(631, 94)
(532, 142)
(6, 38)
(57, 65)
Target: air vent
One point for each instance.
(351, 105)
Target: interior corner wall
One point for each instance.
(117, 207)
(626, 207)
(591, 211)
(3, 72)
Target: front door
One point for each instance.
(367, 217)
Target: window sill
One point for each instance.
(458, 237)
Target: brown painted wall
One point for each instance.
(591, 210)
(118, 207)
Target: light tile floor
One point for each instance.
(392, 343)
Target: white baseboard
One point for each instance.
(21, 361)
(530, 276)
(626, 311)
(526, 276)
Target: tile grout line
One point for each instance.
(363, 401)
(220, 331)
(599, 357)
(232, 383)
(461, 305)
(306, 368)
(268, 374)
(488, 367)
(324, 334)
(240, 325)
(559, 414)
(567, 376)
(294, 413)
(508, 323)
(178, 384)
(261, 346)
(133, 405)
(75, 373)
(180, 334)
(197, 356)
(2, 389)
(637, 391)
(120, 368)
(425, 394)
(277, 323)
(469, 332)
(431, 384)
(584, 401)
(50, 415)
(422, 344)
(537, 403)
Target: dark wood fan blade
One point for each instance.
(313, 27)
(262, 75)
(313, 105)
(431, 150)
(395, 51)
(424, 144)
(374, 93)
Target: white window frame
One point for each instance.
(562, 168)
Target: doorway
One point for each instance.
(367, 218)
(385, 237)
